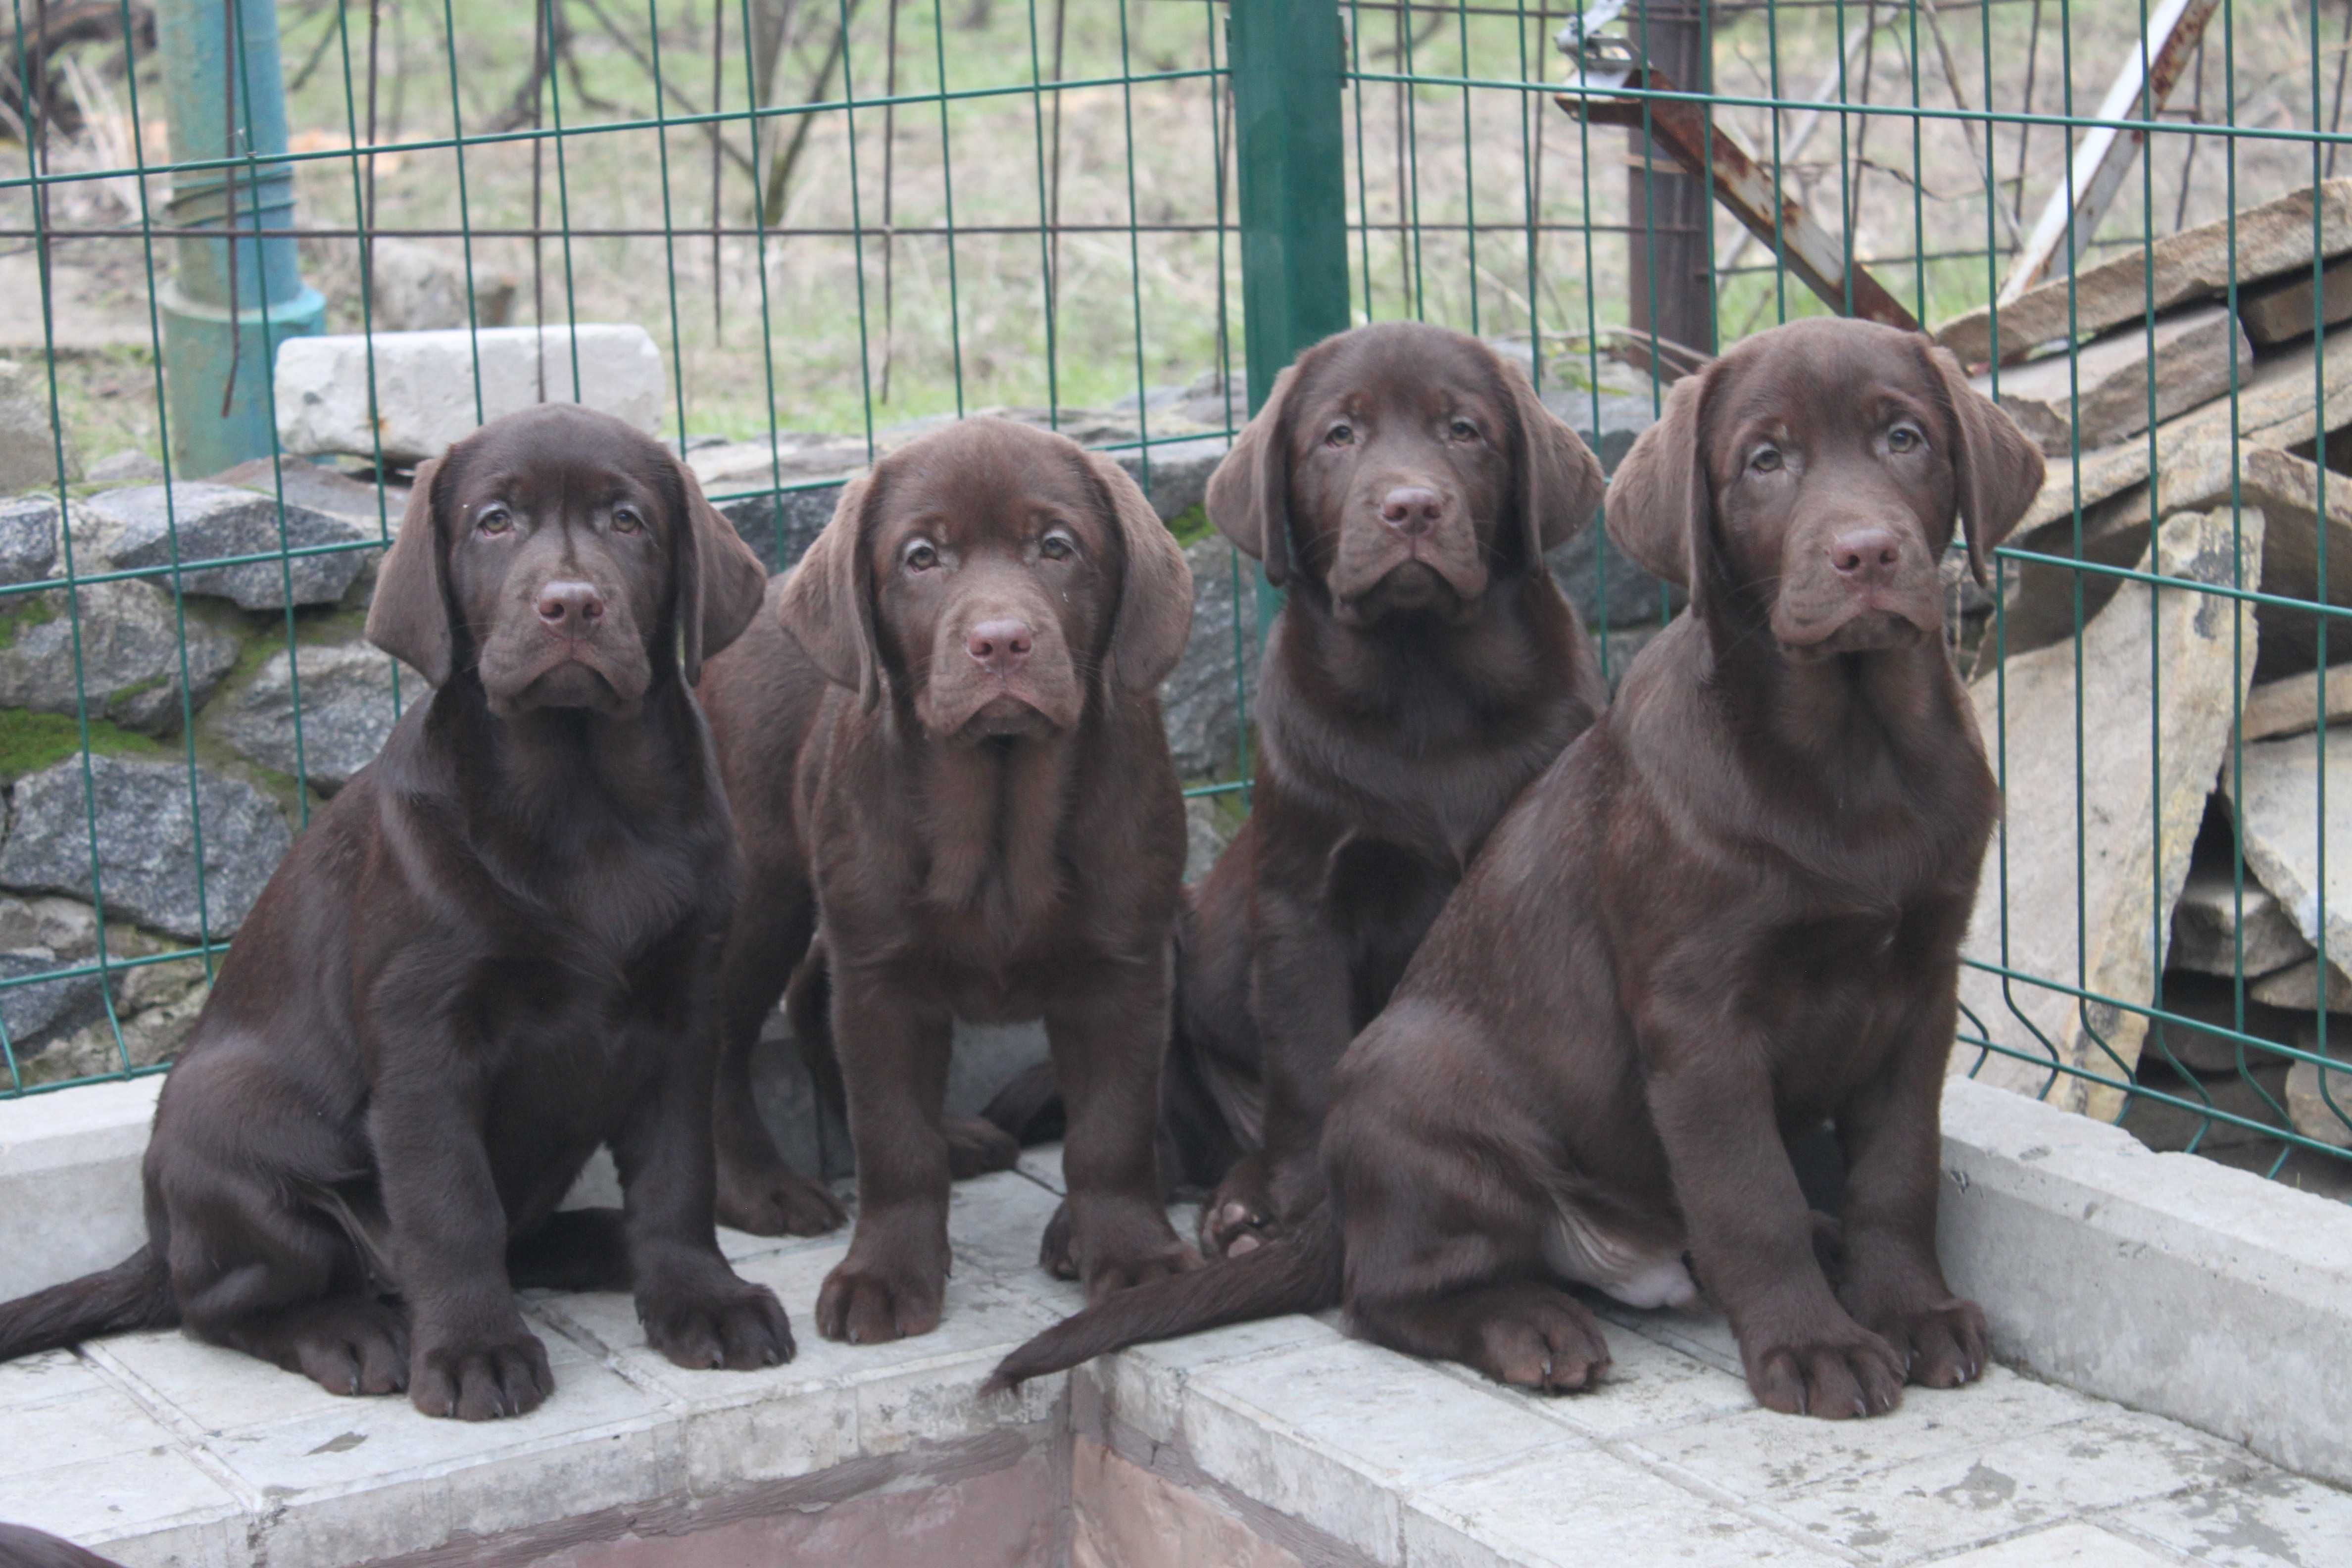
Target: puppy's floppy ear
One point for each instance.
(409, 616)
(828, 603)
(1249, 495)
(1560, 481)
(1154, 616)
(2000, 471)
(1659, 500)
(720, 581)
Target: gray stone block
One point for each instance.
(28, 539)
(146, 853)
(131, 638)
(1198, 703)
(156, 525)
(346, 710)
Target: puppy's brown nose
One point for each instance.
(572, 608)
(1865, 557)
(1000, 646)
(1412, 509)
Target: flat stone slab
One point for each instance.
(2221, 928)
(2116, 846)
(2294, 704)
(185, 524)
(425, 384)
(2281, 312)
(2277, 405)
(146, 858)
(2286, 831)
(2196, 263)
(2100, 394)
(2298, 988)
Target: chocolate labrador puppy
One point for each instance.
(1732, 909)
(1403, 484)
(944, 750)
(491, 952)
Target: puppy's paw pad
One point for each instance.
(865, 1306)
(482, 1381)
(1855, 1375)
(741, 1331)
(1547, 1345)
(978, 1147)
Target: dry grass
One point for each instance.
(911, 326)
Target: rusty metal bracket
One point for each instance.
(1609, 65)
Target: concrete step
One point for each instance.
(1285, 1442)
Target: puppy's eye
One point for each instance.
(1905, 439)
(1766, 461)
(1056, 546)
(1340, 435)
(626, 520)
(920, 555)
(493, 519)
(1463, 430)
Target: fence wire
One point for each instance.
(840, 220)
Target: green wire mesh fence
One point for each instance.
(795, 231)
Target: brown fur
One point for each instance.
(961, 839)
(492, 952)
(1413, 686)
(1732, 909)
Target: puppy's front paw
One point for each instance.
(771, 1200)
(1839, 1370)
(868, 1303)
(742, 1328)
(481, 1378)
(1943, 1343)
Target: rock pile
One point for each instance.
(2173, 786)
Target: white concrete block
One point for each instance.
(424, 384)
(2274, 1518)
(1334, 1435)
(1760, 1454)
(2062, 1546)
(1579, 1506)
(2164, 1281)
(70, 1200)
(1144, 1389)
(1980, 1494)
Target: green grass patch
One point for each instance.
(30, 741)
(1190, 526)
(19, 612)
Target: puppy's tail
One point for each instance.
(136, 1293)
(1297, 1273)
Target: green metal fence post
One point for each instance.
(230, 302)
(1291, 155)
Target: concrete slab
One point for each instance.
(2152, 1278)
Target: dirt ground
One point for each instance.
(807, 326)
